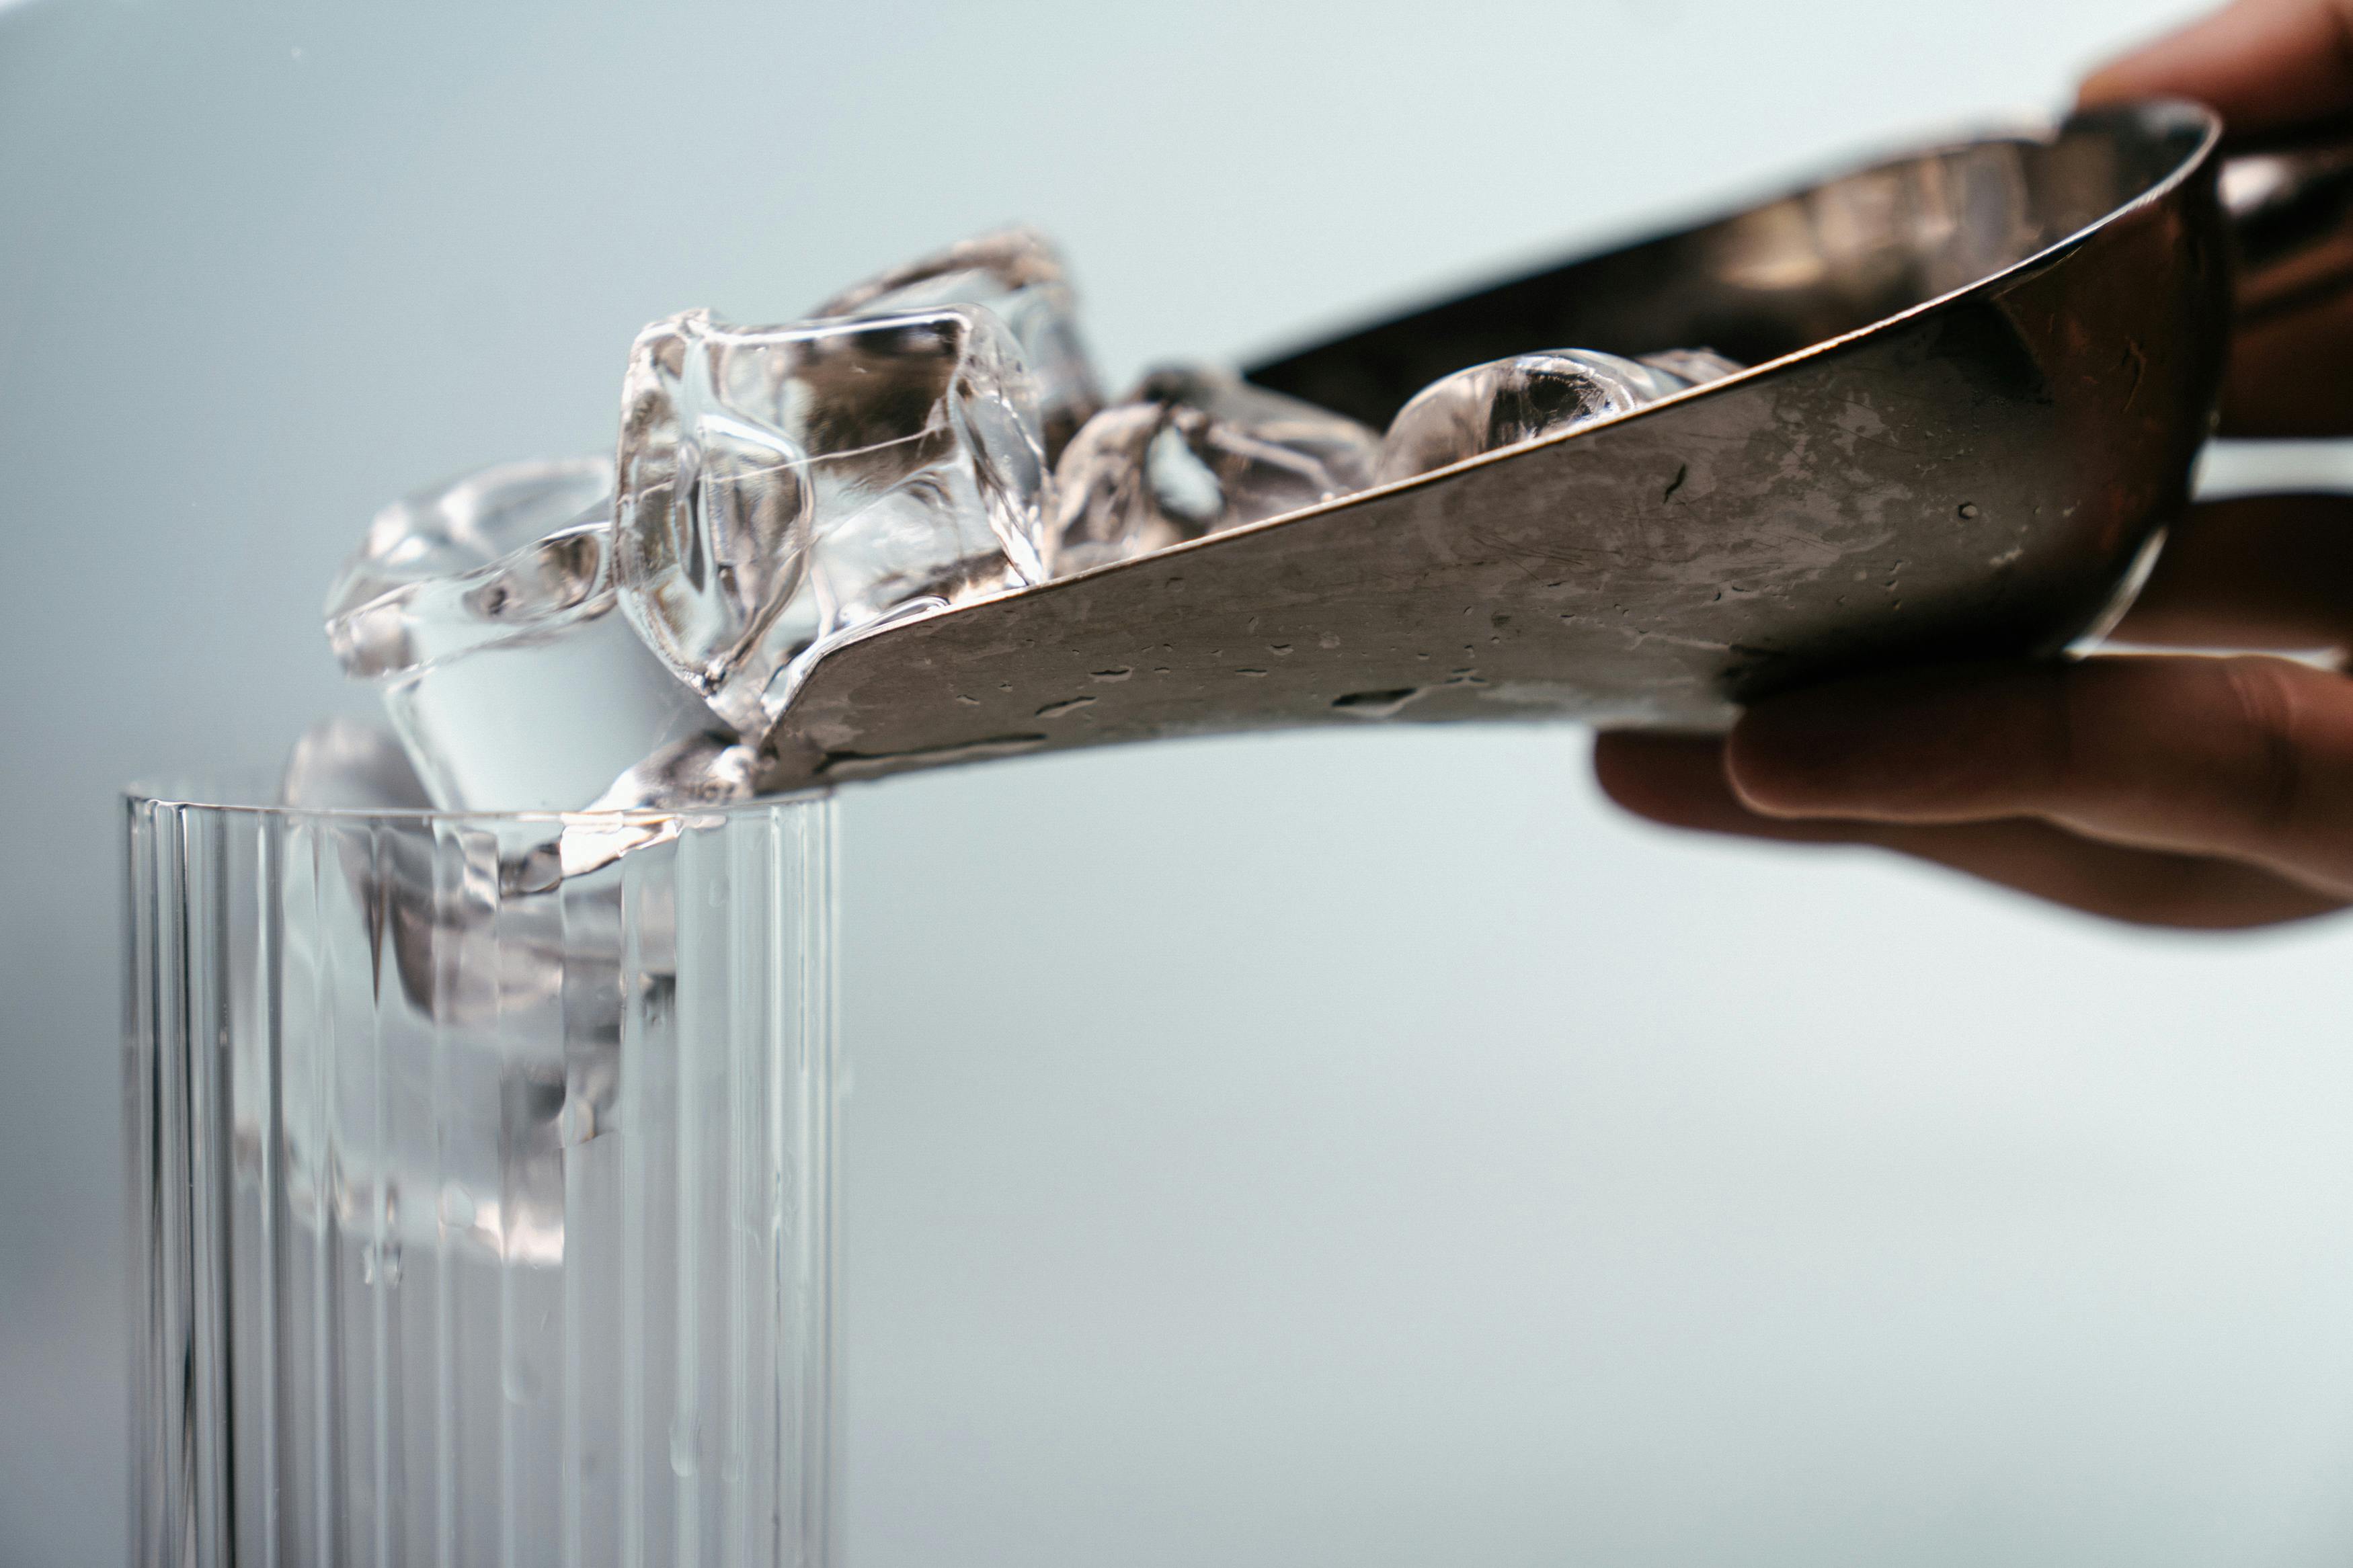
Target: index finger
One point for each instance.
(2264, 64)
(2259, 572)
(2250, 759)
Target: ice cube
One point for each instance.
(1697, 366)
(784, 488)
(460, 1014)
(431, 889)
(641, 807)
(486, 610)
(701, 770)
(1193, 450)
(1508, 401)
(341, 766)
(1018, 274)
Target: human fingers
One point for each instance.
(2264, 64)
(2248, 758)
(2288, 375)
(2266, 572)
(1680, 782)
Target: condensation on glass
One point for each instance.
(486, 1213)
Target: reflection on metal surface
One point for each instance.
(2291, 207)
(1982, 372)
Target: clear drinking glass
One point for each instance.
(485, 1186)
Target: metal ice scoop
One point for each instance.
(1981, 373)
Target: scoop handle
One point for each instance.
(2290, 202)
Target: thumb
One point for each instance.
(2262, 64)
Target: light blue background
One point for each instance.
(1361, 1150)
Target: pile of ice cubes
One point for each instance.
(591, 635)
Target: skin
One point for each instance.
(2172, 790)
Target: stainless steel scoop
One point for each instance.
(1981, 373)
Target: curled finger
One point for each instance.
(2250, 758)
(1681, 782)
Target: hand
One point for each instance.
(2182, 790)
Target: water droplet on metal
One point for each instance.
(1375, 704)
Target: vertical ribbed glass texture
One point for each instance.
(485, 1215)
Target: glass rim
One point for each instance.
(248, 794)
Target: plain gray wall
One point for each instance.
(1361, 1150)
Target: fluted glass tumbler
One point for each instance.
(483, 1169)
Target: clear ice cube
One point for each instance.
(640, 808)
(485, 608)
(1508, 401)
(1191, 451)
(783, 488)
(342, 765)
(450, 985)
(1018, 274)
(701, 770)
(431, 890)
(1696, 366)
